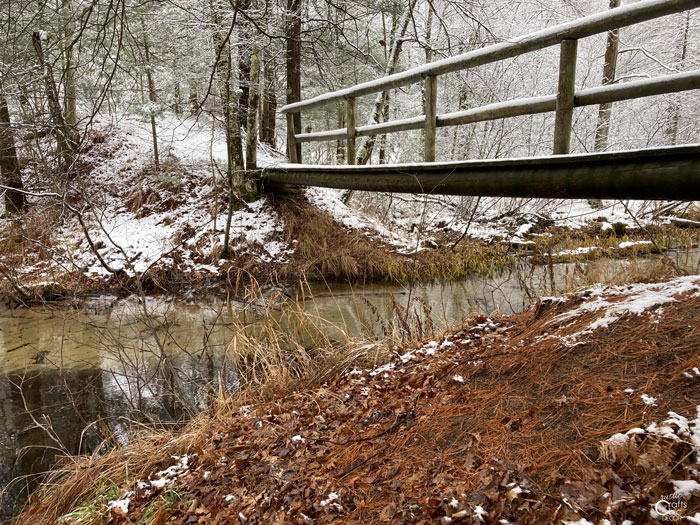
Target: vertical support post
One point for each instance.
(291, 140)
(351, 124)
(565, 96)
(430, 117)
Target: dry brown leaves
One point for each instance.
(500, 423)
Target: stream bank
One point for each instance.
(590, 399)
(94, 358)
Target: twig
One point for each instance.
(653, 241)
(355, 467)
(469, 223)
(402, 419)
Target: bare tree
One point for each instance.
(15, 201)
(293, 54)
(602, 132)
(66, 136)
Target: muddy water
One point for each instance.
(64, 371)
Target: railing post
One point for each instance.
(430, 117)
(291, 139)
(350, 119)
(565, 96)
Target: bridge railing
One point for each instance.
(563, 103)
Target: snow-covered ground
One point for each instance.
(183, 233)
(176, 219)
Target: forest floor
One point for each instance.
(584, 409)
(164, 231)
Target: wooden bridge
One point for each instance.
(671, 173)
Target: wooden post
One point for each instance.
(351, 131)
(430, 117)
(565, 97)
(291, 140)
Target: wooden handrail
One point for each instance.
(580, 28)
(525, 106)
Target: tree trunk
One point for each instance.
(251, 146)
(675, 107)
(152, 97)
(177, 104)
(244, 58)
(15, 201)
(235, 173)
(602, 132)
(69, 76)
(66, 137)
(293, 38)
(193, 99)
(340, 144)
(269, 103)
(383, 138)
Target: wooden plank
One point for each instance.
(291, 140)
(510, 108)
(392, 126)
(430, 118)
(565, 97)
(641, 88)
(608, 20)
(323, 136)
(666, 173)
(351, 153)
(526, 106)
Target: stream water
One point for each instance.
(63, 370)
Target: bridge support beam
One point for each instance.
(565, 96)
(658, 174)
(430, 129)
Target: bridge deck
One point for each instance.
(671, 173)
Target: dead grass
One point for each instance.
(606, 243)
(613, 272)
(76, 483)
(325, 250)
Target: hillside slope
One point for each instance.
(585, 408)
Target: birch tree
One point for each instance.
(602, 133)
(381, 98)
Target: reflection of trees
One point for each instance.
(70, 398)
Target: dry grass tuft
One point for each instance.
(326, 250)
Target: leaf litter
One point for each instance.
(493, 423)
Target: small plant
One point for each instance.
(92, 509)
(169, 178)
(165, 503)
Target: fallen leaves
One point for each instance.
(494, 422)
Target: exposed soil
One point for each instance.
(508, 420)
